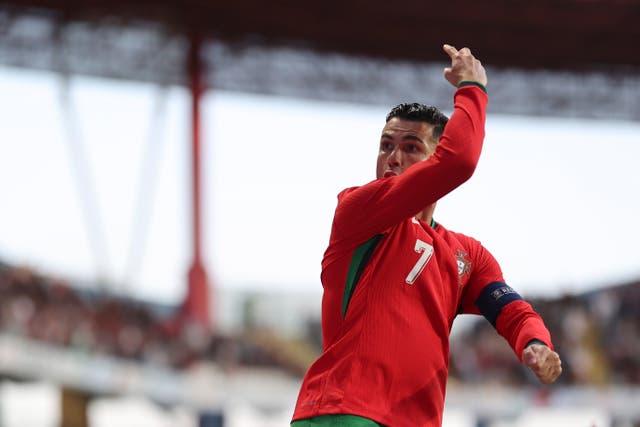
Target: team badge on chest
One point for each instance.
(464, 264)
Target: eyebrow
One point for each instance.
(404, 138)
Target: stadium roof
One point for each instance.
(567, 34)
(575, 53)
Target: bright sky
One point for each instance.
(555, 200)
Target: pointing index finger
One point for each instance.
(450, 50)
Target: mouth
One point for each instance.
(389, 173)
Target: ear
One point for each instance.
(432, 145)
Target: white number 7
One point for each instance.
(426, 250)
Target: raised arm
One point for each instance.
(372, 208)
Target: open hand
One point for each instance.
(464, 67)
(543, 362)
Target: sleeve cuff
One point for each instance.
(536, 341)
(472, 83)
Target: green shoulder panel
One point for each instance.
(359, 261)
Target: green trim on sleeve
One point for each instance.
(472, 83)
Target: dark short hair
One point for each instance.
(417, 112)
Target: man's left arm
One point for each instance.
(513, 318)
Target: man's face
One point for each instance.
(403, 143)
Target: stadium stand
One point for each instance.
(597, 333)
(49, 310)
(93, 344)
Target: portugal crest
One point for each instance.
(464, 264)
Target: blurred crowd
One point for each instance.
(597, 334)
(48, 310)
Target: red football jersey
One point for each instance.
(394, 284)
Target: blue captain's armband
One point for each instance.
(493, 298)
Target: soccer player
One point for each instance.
(394, 279)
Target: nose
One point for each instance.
(394, 157)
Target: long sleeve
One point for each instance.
(370, 209)
(518, 323)
(487, 293)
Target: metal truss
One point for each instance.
(143, 51)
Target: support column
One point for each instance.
(197, 303)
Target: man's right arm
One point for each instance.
(374, 207)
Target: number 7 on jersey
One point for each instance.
(426, 250)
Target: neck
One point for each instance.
(426, 214)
